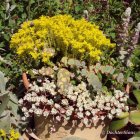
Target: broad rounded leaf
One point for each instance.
(135, 117)
(118, 124)
(137, 95)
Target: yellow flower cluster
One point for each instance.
(13, 135)
(59, 36)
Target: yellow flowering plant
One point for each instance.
(13, 135)
(47, 39)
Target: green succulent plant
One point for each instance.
(94, 74)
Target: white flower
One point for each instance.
(39, 80)
(35, 71)
(87, 113)
(54, 111)
(113, 111)
(62, 110)
(122, 105)
(94, 104)
(117, 96)
(85, 121)
(116, 102)
(23, 118)
(79, 104)
(38, 99)
(107, 108)
(24, 109)
(50, 102)
(73, 98)
(71, 108)
(80, 115)
(29, 99)
(55, 68)
(26, 114)
(33, 99)
(31, 110)
(107, 98)
(118, 111)
(33, 106)
(102, 101)
(41, 89)
(65, 102)
(43, 99)
(93, 112)
(138, 26)
(57, 106)
(53, 92)
(127, 12)
(121, 94)
(67, 118)
(101, 106)
(80, 108)
(37, 103)
(20, 101)
(53, 129)
(112, 99)
(126, 108)
(38, 111)
(95, 118)
(58, 118)
(119, 105)
(110, 116)
(46, 113)
(125, 99)
(68, 112)
(108, 104)
(102, 117)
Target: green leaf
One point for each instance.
(4, 99)
(13, 105)
(137, 76)
(5, 123)
(135, 138)
(137, 95)
(137, 134)
(120, 77)
(6, 37)
(97, 67)
(12, 7)
(123, 115)
(108, 69)
(2, 83)
(94, 81)
(13, 98)
(64, 60)
(118, 124)
(131, 102)
(135, 117)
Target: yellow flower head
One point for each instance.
(14, 135)
(2, 133)
(63, 36)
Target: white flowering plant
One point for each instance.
(66, 94)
